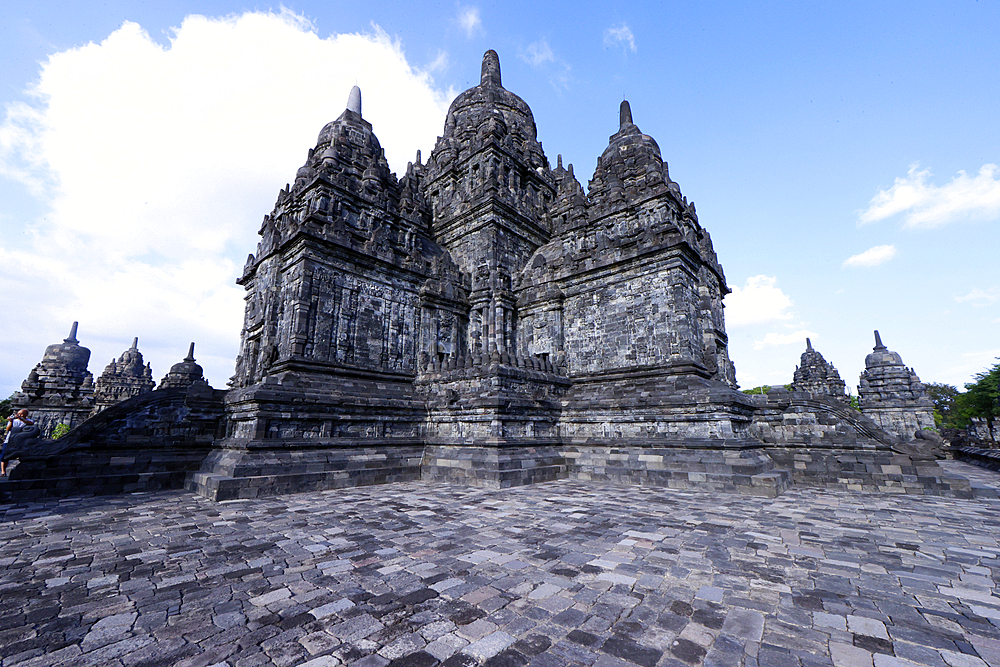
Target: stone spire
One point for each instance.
(491, 70)
(624, 115)
(631, 168)
(892, 395)
(354, 100)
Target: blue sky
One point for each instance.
(842, 155)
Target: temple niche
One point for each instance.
(816, 375)
(892, 395)
(59, 389)
(123, 379)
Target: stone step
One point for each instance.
(734, 471)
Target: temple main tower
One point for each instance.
(490, 189)
(492, 408)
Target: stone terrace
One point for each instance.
(564, 573)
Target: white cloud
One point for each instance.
(21, 156)
(971, 363)
(468, 18)
(980, 296)
(158, 163)
(440, 62)
(880, 254)
(926, 205)
(773, 339)
(758, 301)
(538, 53)
(620, 36)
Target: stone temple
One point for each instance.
(480, 319)
(484, 320)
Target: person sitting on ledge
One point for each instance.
(15, 424)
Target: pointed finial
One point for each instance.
(418, 156)
(354, 100)
(809, 344)
(878, 340)
(559, 161)
(135, 343)
(625, 114)
(190, 356)
(72, 334)
(491, 69)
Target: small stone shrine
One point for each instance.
(122, 379)
(184, 374)
(816, 375)
(59, 389)
(891, 395)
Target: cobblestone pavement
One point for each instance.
(565, 573)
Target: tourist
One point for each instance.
(15, 424)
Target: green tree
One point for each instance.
(763, 389)
(6, 407)
(59, 431)
(945, 409)
(981, 399)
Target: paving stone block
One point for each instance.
(446, 646)
(962, 659)
(867, 626)
(489, 645)
(744, 623)
(322, 661)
